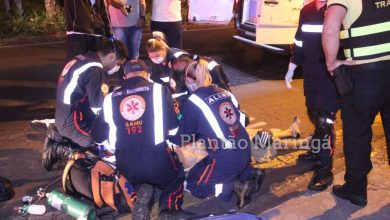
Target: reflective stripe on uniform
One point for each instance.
(212, 65)
(366, 30)
(109, 119)
(367, 51)
(235, 103)
(158, 114)
(329, 121)
(309, 28)
(178, 54)
(73, 82)
(165, 79)
(218, 189)
(95, 110)
(176, 95)
(173, 132)
(210, 118)
(299, 43)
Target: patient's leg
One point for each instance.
(293, 131)
(302, 143)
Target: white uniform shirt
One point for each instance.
(166, 10)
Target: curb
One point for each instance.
(61, 36)
(32, 39)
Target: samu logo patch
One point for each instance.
(132, 107)
(227, 113)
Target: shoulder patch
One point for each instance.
(105, 89)
(67, 67)
(227, 113)
(132, 107)
(81, 57)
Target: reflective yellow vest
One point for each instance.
(369, 36)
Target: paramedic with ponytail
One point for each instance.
(211, 116)
(164, 58)
(161, 56)
(135, 121)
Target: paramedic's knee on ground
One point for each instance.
(227, 159)
(82, 86)
(137, 135)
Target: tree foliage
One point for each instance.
(53, 7)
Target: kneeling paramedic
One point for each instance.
(136, 120)
(81, 87)
(211, 115)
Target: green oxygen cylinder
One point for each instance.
(71, 206)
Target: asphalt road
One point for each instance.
(28, 77)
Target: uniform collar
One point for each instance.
(133, 80)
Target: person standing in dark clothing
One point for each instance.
(365, 37)
(322, 99)
(166, 18)
(87, 25)
(8, 11)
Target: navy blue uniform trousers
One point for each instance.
(370, 96)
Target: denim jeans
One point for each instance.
(131, 37)
(7, 6)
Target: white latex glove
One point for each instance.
(290, 74)
(172, 84)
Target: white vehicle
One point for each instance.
(267, 23)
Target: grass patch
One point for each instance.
(34, 23)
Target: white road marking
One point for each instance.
(47, 122)
(256, 125)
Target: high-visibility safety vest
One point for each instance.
(369, 36)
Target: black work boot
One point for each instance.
(54, 152)
(343, 192)
(55, 149)
(244, 189)
(143, 203)
(308, 157)
(322, 178)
